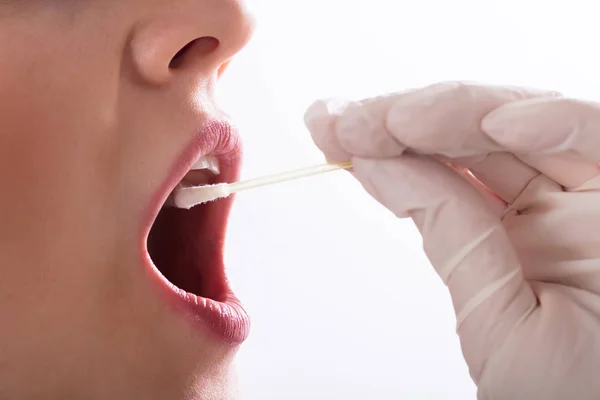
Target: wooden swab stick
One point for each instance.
(188, 197)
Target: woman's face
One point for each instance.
(105, 105)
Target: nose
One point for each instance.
(200, 36)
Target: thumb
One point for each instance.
(464, 240)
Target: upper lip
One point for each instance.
(219, 138)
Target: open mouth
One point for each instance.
(182, 246)
(186, 250)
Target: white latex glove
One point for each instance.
(518, 248)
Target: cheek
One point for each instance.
(58, 91)
(54, 136)
(59, 146)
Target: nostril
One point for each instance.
(200, 47)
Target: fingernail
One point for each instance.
(320, 110)
(316, 112)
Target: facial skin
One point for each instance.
(91, 119)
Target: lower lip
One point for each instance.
(226, 320)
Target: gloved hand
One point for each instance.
(504, 186)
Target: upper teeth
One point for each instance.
(210, 163)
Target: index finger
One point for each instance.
(443, 119)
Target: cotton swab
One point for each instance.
(188, 197)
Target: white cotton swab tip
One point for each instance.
(188, 197)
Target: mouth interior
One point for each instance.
(186, 247)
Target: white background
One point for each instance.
(345, 305)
